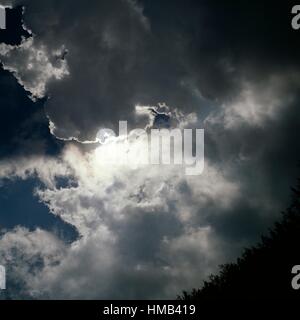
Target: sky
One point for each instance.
(72, 227)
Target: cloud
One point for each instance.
(33, 66)
(47, 170)
(108, 46)
(258, 103)
(130, 221)
(119, 54)
(149, 232)
(24, 254)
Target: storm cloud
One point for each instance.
(147, 232)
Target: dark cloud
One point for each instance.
(235, 64)
(125, 54)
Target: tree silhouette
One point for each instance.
(262, 271)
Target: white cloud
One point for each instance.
(25, 254)
(34, 65)
(141, 232)
(257, 103)
(46, 169)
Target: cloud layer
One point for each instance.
(151, 231)
(142, 237)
